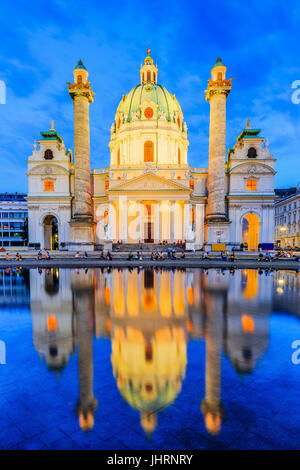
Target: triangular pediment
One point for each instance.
(149, 182)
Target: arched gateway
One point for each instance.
(250, 231)
(50, 225)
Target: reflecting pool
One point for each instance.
(149, 359)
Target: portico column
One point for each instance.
(186, 219)
(199, 230)
(157, 225)
(111, 221)
(125, 220)
(172, 220)
(140, 233)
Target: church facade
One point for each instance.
(150, 193)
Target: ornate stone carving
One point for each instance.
(162, 116)
(252, 169)
(107, 232)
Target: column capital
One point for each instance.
(77, 90)
(218, 87)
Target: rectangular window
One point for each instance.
(48, 185)
(251, 185)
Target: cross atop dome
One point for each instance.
(148, 71)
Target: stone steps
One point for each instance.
(145, 247)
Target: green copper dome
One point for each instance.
(219, 63)
(166, 102)
(80, 65)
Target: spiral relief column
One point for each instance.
(82, 226)
(217, 225)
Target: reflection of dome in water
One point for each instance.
(149, 375)
(150, 394)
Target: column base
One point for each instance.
(217, 232)
(190, 246)
(82, 234)
(107, 245)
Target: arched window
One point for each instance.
(118, 157)
(179, 157)
(154, 77)
(79, 79)
(148, 76)
(48, 155)
(252, 153)
(148, 151)
(178, 122)
(119, 122)
(143, 77)
(220, 76)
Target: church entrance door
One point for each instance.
(149, 232)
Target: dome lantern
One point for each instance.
(80, 73)
(148, 71)
(218, 72)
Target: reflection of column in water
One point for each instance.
(83, 296)
(211, 406)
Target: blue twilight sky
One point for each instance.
(41, 42)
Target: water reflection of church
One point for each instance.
(150, 317)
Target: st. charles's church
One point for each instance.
(150, 193)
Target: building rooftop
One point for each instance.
(284, 194)
(12, 197)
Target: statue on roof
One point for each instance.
(248, 123)
(52, 125)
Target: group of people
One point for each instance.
(78, 255)
(137, 256)
(17, 258)
(171, 254)
(108, 256)
(285, 254)
(177, 243)
(40, 255)
(270, 256)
